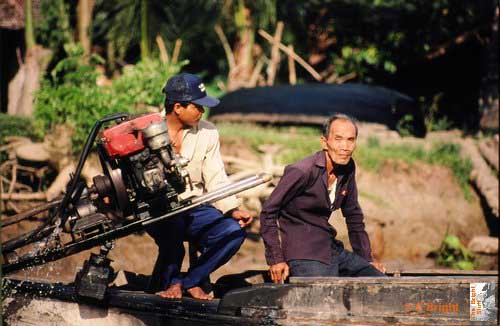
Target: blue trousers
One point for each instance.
(217, 237)
(344, 263)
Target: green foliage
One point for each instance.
(11, 125)
(448, 154)
(359, 60)
(15, 126)
(373, 155)
(298, 142)
(72, 96)
(434, 120)
(453, 254)
(405, 126)
(54, 29)
(143, 82)
(374, 38)
(120, 22)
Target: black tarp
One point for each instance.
(363, 102)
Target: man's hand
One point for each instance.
(243, 217)
(279, 272)
(378, 266)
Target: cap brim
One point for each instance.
(207, 101)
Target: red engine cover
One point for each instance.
(125, 138)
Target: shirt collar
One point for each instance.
(189, 141)
(320, 159)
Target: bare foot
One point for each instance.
(198, 293)
(174, 291)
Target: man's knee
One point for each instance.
(353, 265)
(232, 227)
(226, 233)
(232, 234)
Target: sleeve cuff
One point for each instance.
(227, 204)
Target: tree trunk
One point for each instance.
(84, 19)
(29, 33)
(243, 49)
(27, 81)
(488, 99)
(144, 30)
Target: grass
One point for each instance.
(372, 155)
(300, 142)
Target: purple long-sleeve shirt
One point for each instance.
(294, 219)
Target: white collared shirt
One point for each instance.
(332, 191)
(201, 146)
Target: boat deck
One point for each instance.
(429, 297)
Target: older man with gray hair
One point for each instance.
(299, 240)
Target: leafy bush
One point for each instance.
(54, 29)
(71, 96)
(453, 254)
(359, 60)
(434, 119)
(11, 125)
(143, 82)
(15, 126)
(405, 126)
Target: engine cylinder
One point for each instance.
(156, 135)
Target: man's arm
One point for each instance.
(355, 222)
(214, 175)
(290, 184)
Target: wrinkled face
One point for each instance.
(190, 114)
(341, 141)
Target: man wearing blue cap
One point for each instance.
(218, 230)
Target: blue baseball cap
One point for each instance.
(188, 88)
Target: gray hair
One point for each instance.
(338, 116)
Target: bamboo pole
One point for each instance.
(292, 75)
(299, 60)
(177, 50)
(226, 47)
(256, 72)
(275, 55)
(24, 196)
(163, 50)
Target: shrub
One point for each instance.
(15, 126)
(71, 96)
(11, 125)
(453, 254)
